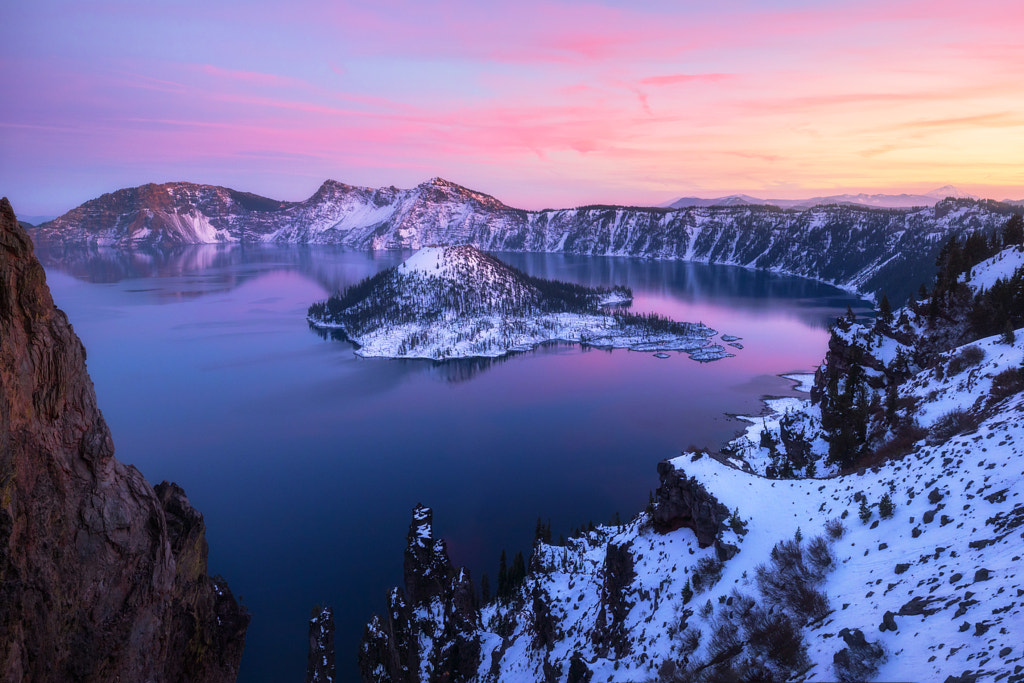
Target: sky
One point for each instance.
(541, 104)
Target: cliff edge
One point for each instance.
(101, 577)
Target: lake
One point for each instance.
(306, 460)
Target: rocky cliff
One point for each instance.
(320, 662)
(431, 631)
(866, 249)
(102, 578)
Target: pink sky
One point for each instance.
(541, 104)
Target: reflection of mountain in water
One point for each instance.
(223, 266)
(732, 286)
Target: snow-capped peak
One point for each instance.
(451, 263)
(950, 191)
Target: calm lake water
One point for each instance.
(306, 460)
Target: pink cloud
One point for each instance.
(677, 79)
(250, 77)
(581, 95)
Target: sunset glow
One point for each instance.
(538, 103)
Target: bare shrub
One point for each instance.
(774, 637)
(956, 421)
(706, 574)
(788, 581)
(1007, 383)
(820, 557)
(809, 603)
(968, 357)
(902, 442)
(788, 556)
(725, 636)
(689, 641)
(835, 528)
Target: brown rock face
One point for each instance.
(684, 502)
(101, 579)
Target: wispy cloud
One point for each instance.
(543, 103)
(679, 79)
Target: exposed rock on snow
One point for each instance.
(459, 302)
(683, 502)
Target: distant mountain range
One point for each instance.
(855, 247)
(882, 201)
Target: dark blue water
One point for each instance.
(306, 460)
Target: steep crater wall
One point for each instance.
(101, 577)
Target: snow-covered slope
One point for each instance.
(459, 302)
(872, 533)
(858, 248)
(941, 569)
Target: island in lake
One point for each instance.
(459, 302)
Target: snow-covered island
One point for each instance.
(459, 302)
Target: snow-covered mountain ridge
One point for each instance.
(459, 302)
(858, 248)
(872, 532)
(877, 200)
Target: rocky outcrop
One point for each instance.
(427, 569)
(610, 631)
(320, 664)
(434, 634)
(860, 659)
(101, 577)
(683, 502)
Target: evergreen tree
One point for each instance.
(485, 589)
(1013, 231)
(885, 310)
(891, 400)
(847, 415)
(1009, 335)
(886, 506)
(503, 583)
(518, 572)
(865, 512)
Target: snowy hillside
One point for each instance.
(870, 532)
(858, 248)
(938, 573)
(459, 302)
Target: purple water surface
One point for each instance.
(306, 460)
